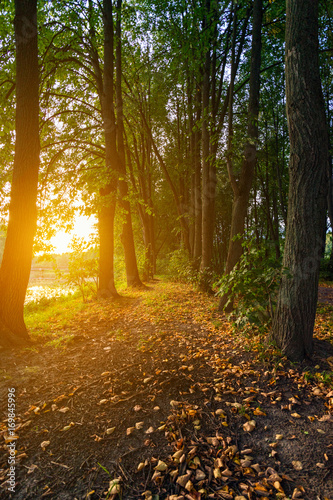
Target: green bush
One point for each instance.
(326, 269)
(252, 285)
(179, 267)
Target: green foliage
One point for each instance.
(83, 266)
(178, 266)
(326, 269)
(252, 285)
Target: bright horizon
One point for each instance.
(83, 228)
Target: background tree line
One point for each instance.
(168, 115)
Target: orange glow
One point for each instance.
(83, 228)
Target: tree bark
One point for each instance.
(308, 171)
(108, 194)
(127, 238)
(208, 166)
(197, 184)
(17, 257)
(242, 187)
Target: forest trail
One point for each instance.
(155, 389)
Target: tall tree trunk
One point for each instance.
(242, 187)
(16, 262)
(127, 238)
(308, 170)
(197, 184)
(108, 194)
(208, 167)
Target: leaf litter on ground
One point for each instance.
(235, 420)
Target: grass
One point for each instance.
(49, 316)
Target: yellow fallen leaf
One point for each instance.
(67, 427)
(177, 454)
(297, 465)
(139, 425)
(217, 473)
(44, 444)
(115, 487)
(189, 486)
(65, 409)
(296, 415)
(182, 480)
(260, 488)
(110, 430)
(257, 411)
(129, 430)
(249, 426)
(161, 466)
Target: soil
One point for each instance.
(155, 397)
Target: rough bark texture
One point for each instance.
(308, 167)
(107, 212)
(208, 167)
(197, 185)
(242, 187)
(16, 262)
(127, 238)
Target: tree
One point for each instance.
(242, 187)
(308, 170)
(127, 238)
(16, 262)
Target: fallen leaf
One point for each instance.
(161, 466)
(297, 465)
(257, 411)
(32, 468)
(67, 427)
(44, 444)
(249, 426)
(199, 475)
(64, 409)
(189, 486)
(182, 480)
(110, 430)
(115, 487)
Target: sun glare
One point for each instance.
(83, 228)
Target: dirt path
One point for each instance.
(160, 384)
